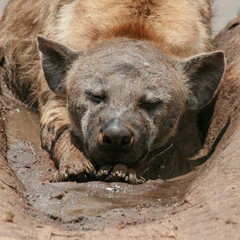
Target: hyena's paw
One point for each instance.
(118, 173)
(75, 170)
(72, 164)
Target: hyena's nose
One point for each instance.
(115, 137)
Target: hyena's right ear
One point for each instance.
(56, 61)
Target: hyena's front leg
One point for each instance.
(58, 140)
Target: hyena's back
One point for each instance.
(180, 28)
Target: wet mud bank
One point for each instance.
(201, 205)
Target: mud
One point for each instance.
(93, 204)
(201, 205)
(23, 125)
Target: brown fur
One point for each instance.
(179, 28)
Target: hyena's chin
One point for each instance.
(102, 157)
(112, 159)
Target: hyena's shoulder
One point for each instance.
(20, 23)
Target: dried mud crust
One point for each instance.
(209, 209)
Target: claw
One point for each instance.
(104, 172)
(118, 173)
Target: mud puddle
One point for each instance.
(92, 204)
(23, 124)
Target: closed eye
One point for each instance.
(96, 98)
(151, 104)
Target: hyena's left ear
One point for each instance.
(56, 61)
(204, 73)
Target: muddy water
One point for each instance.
(71, 202)
(23, 124)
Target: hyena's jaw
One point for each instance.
(161, 143)
(115, 160)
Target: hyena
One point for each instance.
(117, 83)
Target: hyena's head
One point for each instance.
(125, 97)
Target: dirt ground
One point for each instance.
(201, 205)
